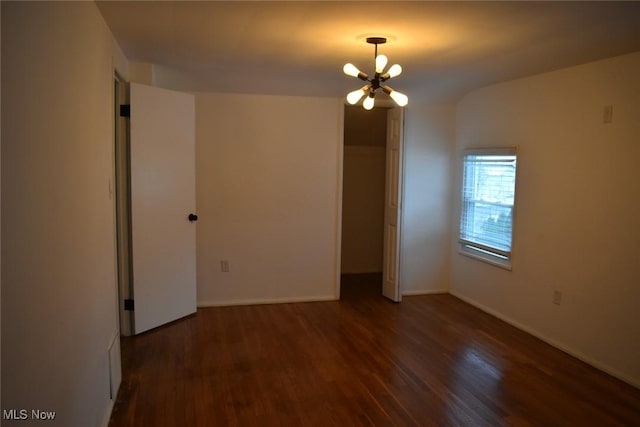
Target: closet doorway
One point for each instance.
(371, 195)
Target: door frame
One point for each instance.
(122, 196)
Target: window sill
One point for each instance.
(485, 257)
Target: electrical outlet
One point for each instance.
(224, 266)
(557, 297)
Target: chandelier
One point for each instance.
(375, 83)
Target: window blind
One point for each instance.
(488, 195)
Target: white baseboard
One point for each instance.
(567, 349)
(261, 301)
(424, 292)
(115, 374)
(115, 367)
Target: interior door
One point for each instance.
(393, 205)
(162, 198)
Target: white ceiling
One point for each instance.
(299, 48)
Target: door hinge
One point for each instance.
(125, 110)
(128, 305)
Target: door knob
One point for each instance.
(193, 217)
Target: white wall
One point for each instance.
(577, 215)
(58, 271)
(267, 189)
(141, 72)
(425, 252)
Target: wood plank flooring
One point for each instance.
(361, 361)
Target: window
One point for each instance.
(488, 195)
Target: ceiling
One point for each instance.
(298, 48)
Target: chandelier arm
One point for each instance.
(375, 56)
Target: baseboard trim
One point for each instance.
(113, 356)
(567, 349)
(424, 292)
(262, 301)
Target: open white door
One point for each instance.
(393, 205)
(162, 198)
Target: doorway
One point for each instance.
(363, 200)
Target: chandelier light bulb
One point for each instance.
(354, 97)
(400, 98)
(351, 70)
(395, 70)
(368, 103)
(381, 62)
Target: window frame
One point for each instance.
(489, 254)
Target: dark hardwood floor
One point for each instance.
(429, 361)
